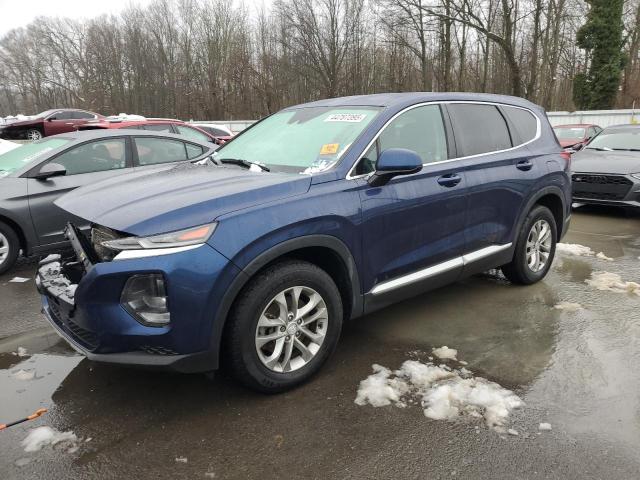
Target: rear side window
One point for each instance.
(478, 129)
(193, 151)
(153, 151)
(82, 115)
(159, 127)
(525, 124)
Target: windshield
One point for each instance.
(306, 140)
(618, 139)
(569, 133)
(19, 157)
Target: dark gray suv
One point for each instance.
(34, 175)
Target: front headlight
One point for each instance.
(636, 175)
(181, 238)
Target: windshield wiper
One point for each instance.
(243, 163)
(627, 149)
(601, 149)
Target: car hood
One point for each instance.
(24, 122)
(147, 203)
(594, 161)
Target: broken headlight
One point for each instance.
(145, 298)
(181, 238)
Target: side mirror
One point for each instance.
(49, 119)
(50, 170)
(394, 162)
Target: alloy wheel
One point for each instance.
(538, 245)
(291, 329)
(4, 248)
(34, 135)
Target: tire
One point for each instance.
(33, 134)
(9, 247)
(524, 269)
(248, 361)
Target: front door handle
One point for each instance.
(449, 180)
(524, 165)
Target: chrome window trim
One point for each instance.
(439, 268)
(444, 102)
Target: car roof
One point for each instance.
(400, 100)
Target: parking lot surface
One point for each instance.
(577, 370)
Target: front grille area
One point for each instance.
(158, 350)
(101, 234)
(84, 336)
(600, 187)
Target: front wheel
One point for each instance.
(535, 248)
(283, 327)
(9, 247)
(34, 134)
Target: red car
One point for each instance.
(47, 123)
(166, 125)
(576, 135)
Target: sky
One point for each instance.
(13, 13)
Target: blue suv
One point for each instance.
(315, 215)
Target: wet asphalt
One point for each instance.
(578, 371)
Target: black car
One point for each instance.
(607, 170)
(34, 175)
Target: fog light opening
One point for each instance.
(145, 298)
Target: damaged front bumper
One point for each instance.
(81, 298)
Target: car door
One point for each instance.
(412, 227)
(59, 122)
(150, 152)
(85, 164)
(80, 117)
(500, 169)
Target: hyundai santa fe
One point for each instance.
(316, 215)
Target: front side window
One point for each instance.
(82, 115)
(154, 151)
(28, 154)
(98, 156)
(478, 128)
(305, 140)
(617, 139)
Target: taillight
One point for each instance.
(567, 157)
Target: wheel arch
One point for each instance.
(18, 230)
(551, 197)
(325, 251)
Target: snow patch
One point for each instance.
(544, 426)
(43, 436)
(181, 459)
(568, 306)
(22, 352)
(23, 375)
(18, 280)
(444, 393)
(602, 256)
(612, 282)
(574, 249)
(445, 353)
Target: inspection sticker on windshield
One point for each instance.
(346, 117)
(329, 149)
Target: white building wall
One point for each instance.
(604, 118)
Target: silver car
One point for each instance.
(34, 175)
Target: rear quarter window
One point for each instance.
(524, 123)
(478, 128)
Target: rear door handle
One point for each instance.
(449, 180)
(524, 165)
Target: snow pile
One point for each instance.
(544, 426)
(612, 282)
(568, 306)
(22, 352)
(43, 436)
(445, 353)
(602, 256)
(444, 393)
(23, 375)
(580, 251)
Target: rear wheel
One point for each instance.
(9, 247)
(283, 327)
(535, 248)
(34, 134)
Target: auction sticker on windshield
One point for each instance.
(346, 117)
